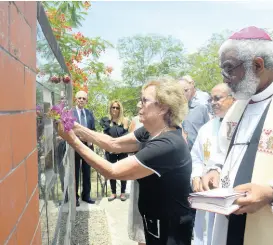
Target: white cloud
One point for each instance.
(111, 58)
(257, 5)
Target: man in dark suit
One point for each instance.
(85, 118)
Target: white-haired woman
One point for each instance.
(162, 164)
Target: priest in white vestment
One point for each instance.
(205, 152)
(246, 134)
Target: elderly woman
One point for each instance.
(162, 164)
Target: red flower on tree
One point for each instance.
(75, 46)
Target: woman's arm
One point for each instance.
(125, 169)
(126, 143)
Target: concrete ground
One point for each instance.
(117, 216)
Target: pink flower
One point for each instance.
(62, 115)
(38, 108)
(68, 120)
(58, 108)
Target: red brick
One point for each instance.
(30, 89)
(11, 83)
(5, 145)
(12, 201)
(38, 237)
(23, 135)
(32, 173)
(31, 17)
(13, 239)
(29, 221)
(4, 12)
(20, 36)
(31, 14)
(32, 51)
(20, 5)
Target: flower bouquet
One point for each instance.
(61, 115)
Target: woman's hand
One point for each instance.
(67, 136)
(77, 128)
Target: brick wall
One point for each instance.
(19, 200)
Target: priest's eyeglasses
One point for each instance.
(218, 98)
(226, 71)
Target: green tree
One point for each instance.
(102, 92)
(148, 56)
(73, 10)
(81, 53)
(203, 65)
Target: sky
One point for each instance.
(193, 22)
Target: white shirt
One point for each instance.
(79, 114)
(206, 143)
(205, 153)
(248, 124)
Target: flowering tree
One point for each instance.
(81, 53)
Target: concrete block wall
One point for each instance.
(19, 194)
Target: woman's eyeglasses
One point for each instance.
(145, 100)
(115, 108)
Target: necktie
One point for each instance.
(83, 121)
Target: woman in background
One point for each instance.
(135, 223)
(115, 126)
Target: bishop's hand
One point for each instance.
(257, 196)
(211, 180)
(197, 184)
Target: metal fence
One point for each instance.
(55, 157)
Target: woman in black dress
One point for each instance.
(162, 164)
(115, 127)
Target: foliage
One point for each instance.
(149, 56)
(80, 53)
(100, 93)
(203, 65)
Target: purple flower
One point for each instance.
(58, 108)
(38, 108)
(67, 120)
(58, 113)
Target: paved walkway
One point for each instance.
(117, 215)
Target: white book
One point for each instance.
(220, 200)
